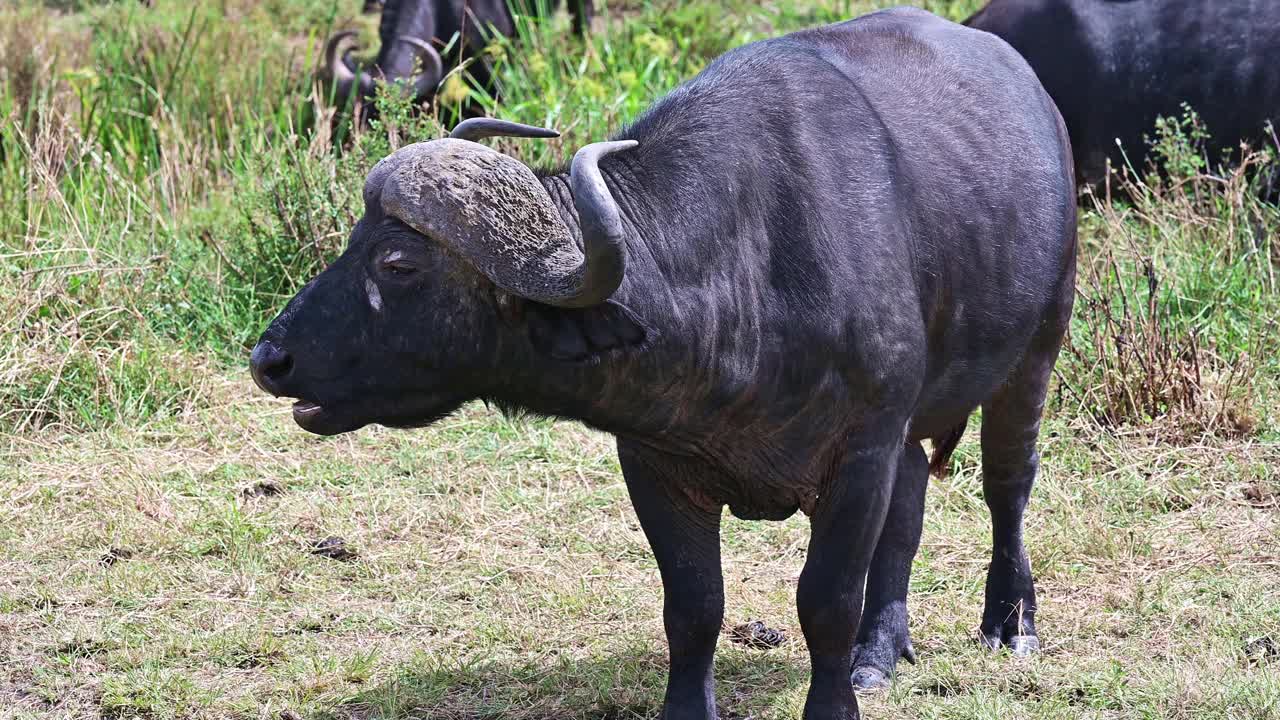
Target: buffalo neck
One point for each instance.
(614, 391)
(671, 268)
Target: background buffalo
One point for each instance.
(413, 33)
(1114, 66)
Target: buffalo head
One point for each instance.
(416, 316)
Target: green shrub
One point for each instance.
(1175, 321)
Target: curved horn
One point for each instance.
(603, 242)
(335, 65)
(432, 67)
(479, 128)
(335, 68)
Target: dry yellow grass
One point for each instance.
(165, 571)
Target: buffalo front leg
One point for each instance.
(883, 634)
(686, 543)
(845, 528)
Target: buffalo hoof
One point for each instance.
(1024, 645)
(1019, 645)
(869, 679)
(868, 675)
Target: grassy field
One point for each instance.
(172, 546)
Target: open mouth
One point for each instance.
(315, 418)
(305, 408)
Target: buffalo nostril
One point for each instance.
(281, 367)
(270, 365)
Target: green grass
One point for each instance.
(167, 180)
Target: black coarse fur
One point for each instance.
(839, 244)
(1114, 66)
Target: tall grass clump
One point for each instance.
(118, 125)
(282, 220)
(168, 186)
(588, 88)
(1176, 313)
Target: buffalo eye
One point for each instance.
(396, 264)
(400, 268)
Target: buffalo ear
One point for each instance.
(581, 334)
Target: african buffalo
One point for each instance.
(788, 273)
(411, 32)
(1114, 66)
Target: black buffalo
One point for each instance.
(412, 33)
(787, 274)
(1114, 66)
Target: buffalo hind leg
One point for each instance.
(686, 543)
(844, 531)
(1010, 428)
(883, 635)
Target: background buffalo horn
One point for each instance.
(432, 67)
(336, 67)
(603, 242)
(479, 128)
